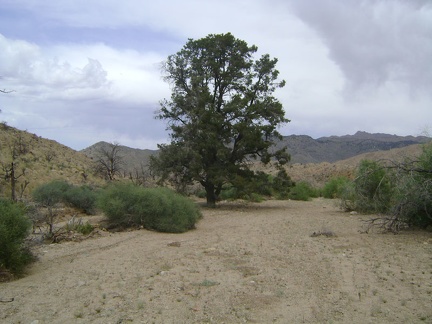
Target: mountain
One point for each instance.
(133, 159)
(37, 161)
(305, 149)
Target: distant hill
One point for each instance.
(133, 159)
(317, 174)
(305, 149)
(39, 160)
(315, 160)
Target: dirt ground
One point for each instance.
(245, 263)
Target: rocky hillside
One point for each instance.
(37, 160)
(305, 149)
(132, 159)
(317, 174)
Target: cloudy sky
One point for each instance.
(86, 71)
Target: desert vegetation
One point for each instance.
(159, 209)
(400, 191)
(223, 121)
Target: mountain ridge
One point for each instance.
(302, 148)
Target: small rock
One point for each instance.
(176, 244)
(353, 213)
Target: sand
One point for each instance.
(245, 263)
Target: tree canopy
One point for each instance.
(222, 113)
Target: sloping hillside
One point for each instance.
(132, 159)
(37, 160)
(305, 149)
(318, 174)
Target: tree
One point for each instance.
(18, 148)
(221, 114)
(109, 162)
(50, 195)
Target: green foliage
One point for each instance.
(282, 184)
(221, 113)
(413, 193)
(84, 229)
(51, 193)
(59, 191)
(255, 186)
(81, 197)
(402, 192)
(159, 209)
(335, 187)
(302, 191)
(14, 228)
(373, 188)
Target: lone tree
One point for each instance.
(222, 113)
(109, 161)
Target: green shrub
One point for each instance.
(14, 228)
(334, 187)
(373, 188)
(229, 193)
(413, 192)
(159, 209)
(84, 229)
(302, 191)
(282, 185)
(83, 198)
(49, 195)
(348, 196)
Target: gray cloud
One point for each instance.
(88, 71)
(375, 42)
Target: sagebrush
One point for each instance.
(159, 209)
(14, 228)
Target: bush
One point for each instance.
(49, 195)
(14, 228)
(159, 209)
(413, 192)
(282, 185)
(334, 187)
(302, 191)
(83, 198)
(84, 229)
(373, 188)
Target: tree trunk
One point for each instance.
(210, 194)
(13, 182)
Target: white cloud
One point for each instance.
(375, 42)
(349, 65)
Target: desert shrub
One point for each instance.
(373, 188)
(84, 229)
(282, 184)
(81, 197)
(159, 209)
(348, 196)
(302, 191)
(49, 195)
(255, 186)
(14, 228)
(413, 191)
(334, 187)
(229, 193)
